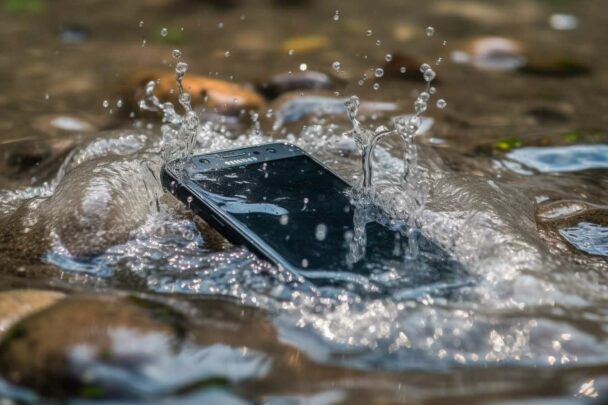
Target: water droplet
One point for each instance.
(227, 54)
(430, 31)
(47, 96)
(220, 25)
(403, 69)
(336, 66)
(376, 86)
(429, 75)
(379, 72)
(177, 53)
(424, 67)
(439, 60)
(164, 32)
(141, 24)
(143, 43)
(181, 68)
(369, 33)
(105, 103)
(337, 15)
(303, 67)
(441, 104)
(378, 42)
(290, 52)
(444, 43)
(388, 57)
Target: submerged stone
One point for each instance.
(17, 304)
(559, 67)
(404, 66)
(285, 82)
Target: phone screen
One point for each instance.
(303, 212)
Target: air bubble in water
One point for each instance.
(376, 86)
(227, 54)
(432, 90)
(290, 52)
(141, 24)
(430, 31)
(105, 103)
(441, 104)
(164, 32)
(378, 42)
(429, 75)
(336, 66)
(177, 53)
(369, 33)
(439, 60)
(379, 72)
(424, 67)
(388, 57)
(119, 104)
(220, 25)
(337, 15)
(403, 69)
(303, 67)
(143, 43)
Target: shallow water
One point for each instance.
(158, 304)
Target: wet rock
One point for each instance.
(548, 115)
(97, 205)
(74, 33)
(285, 82)
(495, 53)
(44, 350)
(395, 67)
(555, 67)
(290, 108)
(225, 97)
(55, 124)
(17, 304)
(24, 158)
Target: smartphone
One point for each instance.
(290, 209)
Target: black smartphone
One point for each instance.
(290, 209)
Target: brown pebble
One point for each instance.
(214, 94)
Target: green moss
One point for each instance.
(24, 6)
(507, 144)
